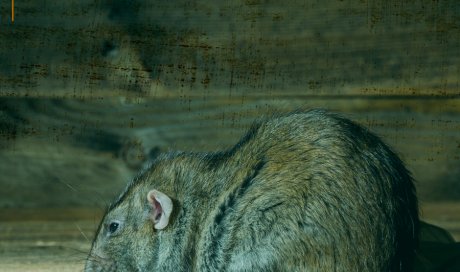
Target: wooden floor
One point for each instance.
(59, 239)
(46, 240)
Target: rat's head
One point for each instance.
(127, 234)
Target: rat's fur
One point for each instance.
(307, 191)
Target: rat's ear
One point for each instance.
(161, 208)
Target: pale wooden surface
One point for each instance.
(47, 239)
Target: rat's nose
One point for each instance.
(97, 263)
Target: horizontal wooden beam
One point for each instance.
(80, 50)
(86, 151)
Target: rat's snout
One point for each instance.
(98, 262)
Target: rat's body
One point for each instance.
(301, 192)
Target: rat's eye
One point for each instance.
(113, 227)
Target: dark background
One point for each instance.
(91, 89)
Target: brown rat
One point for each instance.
(306, 191)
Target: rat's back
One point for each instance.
(316, 192)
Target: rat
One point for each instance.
(303, 191)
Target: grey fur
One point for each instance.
(306, 191)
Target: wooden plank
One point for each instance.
(44, 245)
(82, 153)
(82, 49)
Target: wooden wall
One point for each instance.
(89, 86)
(90, 89)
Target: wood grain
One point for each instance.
(82, 49)
(82, 153)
